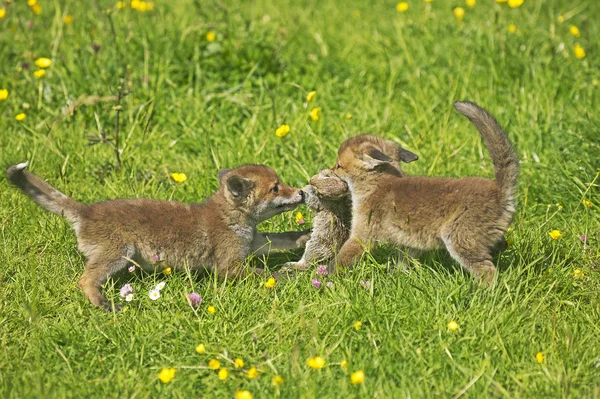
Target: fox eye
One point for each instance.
(275, 189)
(338, 166)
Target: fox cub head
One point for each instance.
(257, 191)
(365, 154)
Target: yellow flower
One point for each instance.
(358, 377)
(223, 374)
(282, 130)
(135, 4)
(316, 362)
(586, 203)
(37, 9)
(311, 96)
(214, 364)
(344, 364)
(200, 349)
(252, 373)
(560, 19)
(512, 28)
(179, 177)
(277, 380)
(315, 113)
(31, 3)
(211, 309)
(402, 6)
(555, 234)
(539, 357)
(40, 73)
(515, 3)
(4, 96)
(459, 13)
(357, 325)
(579, 51)
(574, 31)
(270, 282)
(428, 1)
(120, 5)
(453, 326)
(348, 116)
(43, 62)
(501, 1)
(577, 273)
(210, 36)
(238, 363)
(166, 375)
(243, 395)
(2, 13)
(68, 19)
(299, 218)
(471, 3)
(167, 270)
(20, 116)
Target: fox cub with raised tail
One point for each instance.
(217, 234)
(468, 216)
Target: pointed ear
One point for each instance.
(239, 186)
(407, 156)
(373, 158)
(222, 173)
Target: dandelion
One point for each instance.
(357, 325)
(358, 377)
(574, 31)
(512, 28)
(223, 374)
(68, 19)
(329, 285)
(515, 3)
(120, 5)
(166, 375)
(3, 94)
(194, 299)
(344, 364)
(322, 270)
(154, 294)
(129, 298)
(282, 130)
(311, 96)
(316, 283)
(459, 13)
(43, 62)
(200, 349)
(366, 284)
(560, 19)
(586, 203)
(252, 373)
(214, 364)
(243, 395)
(270, 282)
(31, 3)
(179, 177)
(402, 6)
(37, 9)
(315, 113)
(2, 13)
(211, 36)
(577, 273)
(160, 285)
(238, 363)
(555, 234)
(167, 271)
(539, 357)
(453, 326)
(316, 362)
(211, 309)
(131, 269)
(579, 51)
(471, 3)
(20, 117)
(299, 218)
(126, 290)
(277, 380)
(40, 73)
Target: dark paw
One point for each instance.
(112, 307)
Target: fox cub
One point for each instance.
(467, 216)
(217, 234)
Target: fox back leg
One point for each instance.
(472, 254)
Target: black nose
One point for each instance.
(302, 195)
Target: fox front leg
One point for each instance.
(263, 243)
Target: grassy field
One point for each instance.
(198, 86)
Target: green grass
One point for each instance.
(194, 107)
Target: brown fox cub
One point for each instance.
(216, 234)
(467, 216)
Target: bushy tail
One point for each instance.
(43, 193)
(504, 156)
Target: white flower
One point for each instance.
(129, 297)
(160, 285)
(154, 294)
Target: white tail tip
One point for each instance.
(22, 165)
